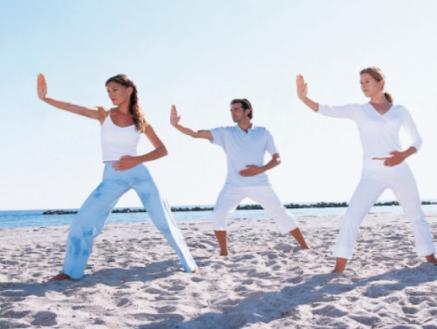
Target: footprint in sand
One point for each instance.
(11, 314)
(330, 311)
(409, 310)
(123, 301)
(371, 321)
(44, 318)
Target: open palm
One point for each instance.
(41, 86)
(174, 117)
(301, 86)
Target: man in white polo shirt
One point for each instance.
(245, 146)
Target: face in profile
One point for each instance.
(370, 86)
(238, 112)
(118, 93)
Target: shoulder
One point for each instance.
(400, 109)
(261, 130)
(102, 113)
(224, 129)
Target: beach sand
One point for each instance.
(134, 279)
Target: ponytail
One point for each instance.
(388, 97)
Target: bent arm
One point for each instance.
(253, 170)
(410, 127)
(160, 149)
(275, 161)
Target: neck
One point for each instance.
(245, 124)
(378, 99)
(124, 108)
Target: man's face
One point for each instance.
(238, 113)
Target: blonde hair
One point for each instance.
(376, 73)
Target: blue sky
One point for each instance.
(199, 55)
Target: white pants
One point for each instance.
(231, 196)
(373, 182)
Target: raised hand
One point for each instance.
(301, 87)
(41, 87)
(174, 117)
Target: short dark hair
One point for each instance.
(245, 104)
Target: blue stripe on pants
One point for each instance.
(92, 216)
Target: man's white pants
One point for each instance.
(231, 196)
(373, 182)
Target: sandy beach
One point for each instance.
(134, 280)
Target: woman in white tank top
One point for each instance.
(121, 128)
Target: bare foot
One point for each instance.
(340, 265)
(60, 277)
(431, 259)
(297, 234)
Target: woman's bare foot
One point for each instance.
(60, 277)
(431, 259)
(297, 234)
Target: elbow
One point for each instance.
(277, 159)
(162, 151)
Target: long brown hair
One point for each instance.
(376, 73)
(134, 105)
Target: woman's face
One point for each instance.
(370, 86)
(118, 93)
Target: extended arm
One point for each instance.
(97, 113)
(174, 120)
(302, 93)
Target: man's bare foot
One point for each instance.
(60, 277)
(221, 239)
(431, 259)
(340, 265)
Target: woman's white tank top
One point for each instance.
(118, 141)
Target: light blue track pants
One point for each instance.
(91, 217)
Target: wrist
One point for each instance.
(140, 159)
(405, 154)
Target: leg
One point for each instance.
(88, 223)
(161, 216)
(405, 189)
(365, 195)
(227, 200)
(271, 203)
